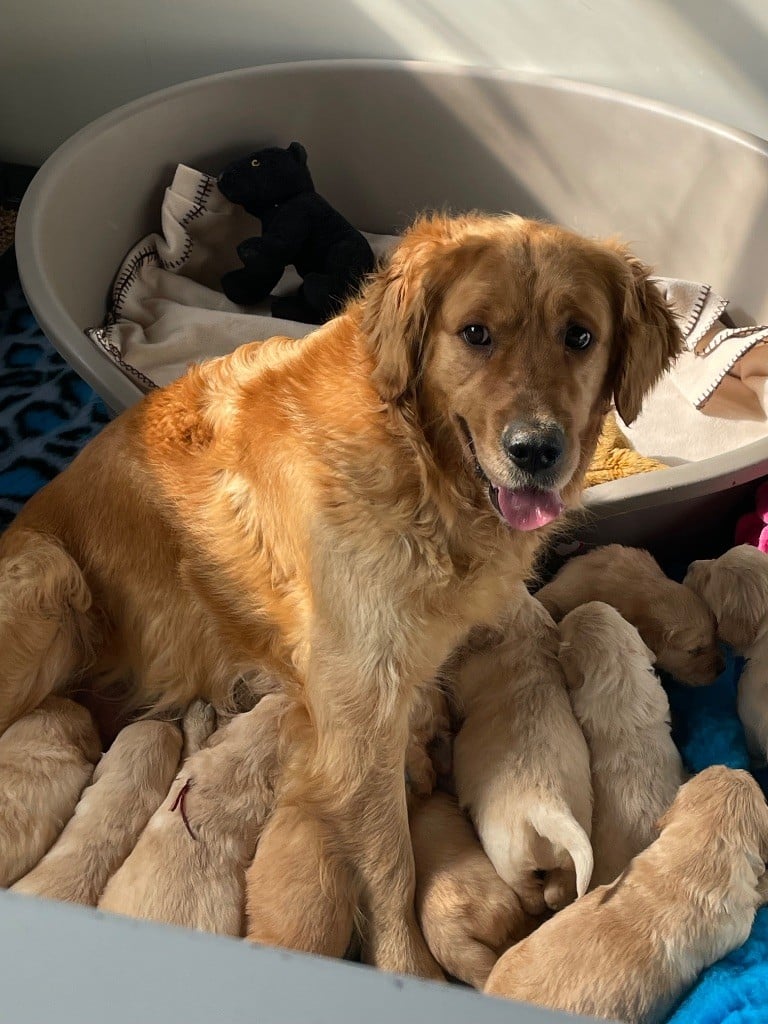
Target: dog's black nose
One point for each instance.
(534, 448)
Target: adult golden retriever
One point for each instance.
(339, 510)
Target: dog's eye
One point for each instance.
(476, 335)
(577, 337)
(254, 163)
(696, 651)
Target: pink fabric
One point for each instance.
(752, 528)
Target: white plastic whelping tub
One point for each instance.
(386, 139)
(389, 138)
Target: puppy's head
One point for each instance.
(682, 631)
(735, 586)
(512, 336)
(597, 645)
(724, 804)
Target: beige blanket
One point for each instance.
(167, 311)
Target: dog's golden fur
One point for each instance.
(521, 763)
(627, 951)
(469, 916)
(735, 586)
(46, 760)
(188, 867)
(675, 623)
(310, 508)
(128, 786)
(624, 714)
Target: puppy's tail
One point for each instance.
(560, 827)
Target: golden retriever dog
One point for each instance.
(46, 760)
(521, 763)
(467, 914)
(623, 712)
(188, 867)
(735, 586)
(629, 950)
(676, 624)
(130, 782)
(340, 510)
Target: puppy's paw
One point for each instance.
(198, 726)
(419, 771)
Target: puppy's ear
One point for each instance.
(740, 603)
(398, 303)
(647, 337)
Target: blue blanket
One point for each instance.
(47, 414)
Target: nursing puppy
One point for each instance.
(188, 867)
(129, 783)
(735, 586)
(319, 908)
(676, 624)
(624, 715)
(341, 509)
(521, 763)
(629, 950)
(468, 915)
(46, 760)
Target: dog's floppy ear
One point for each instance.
(398, 301)
(647, 336)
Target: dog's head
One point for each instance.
(682, 630)
(723, 806)
(598, 645)
(735, 586)
(513, 336)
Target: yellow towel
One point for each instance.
(615, 457)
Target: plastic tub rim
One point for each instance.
(741, 465)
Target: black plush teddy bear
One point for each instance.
(298, 227)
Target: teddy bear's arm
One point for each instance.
(285, 233)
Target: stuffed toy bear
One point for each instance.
(298, 227)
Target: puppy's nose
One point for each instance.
(534, 448)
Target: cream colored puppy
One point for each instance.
(735, 586)
(629, 950)
(624, 714)
(675, 623)
(521, 763)
(467, 914)
(46, 760)
(129, 783)
(188, 867)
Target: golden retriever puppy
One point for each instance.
(629, 950)
(46, 760)
(735, 586)
(624, 715)
(468, 915)
(521, 763)
(675, 623)
(129, 784)
(341, 509)
(188, 867)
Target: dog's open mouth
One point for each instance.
(521, 508)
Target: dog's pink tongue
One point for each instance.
(527, 509)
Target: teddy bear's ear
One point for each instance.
(298, 153)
